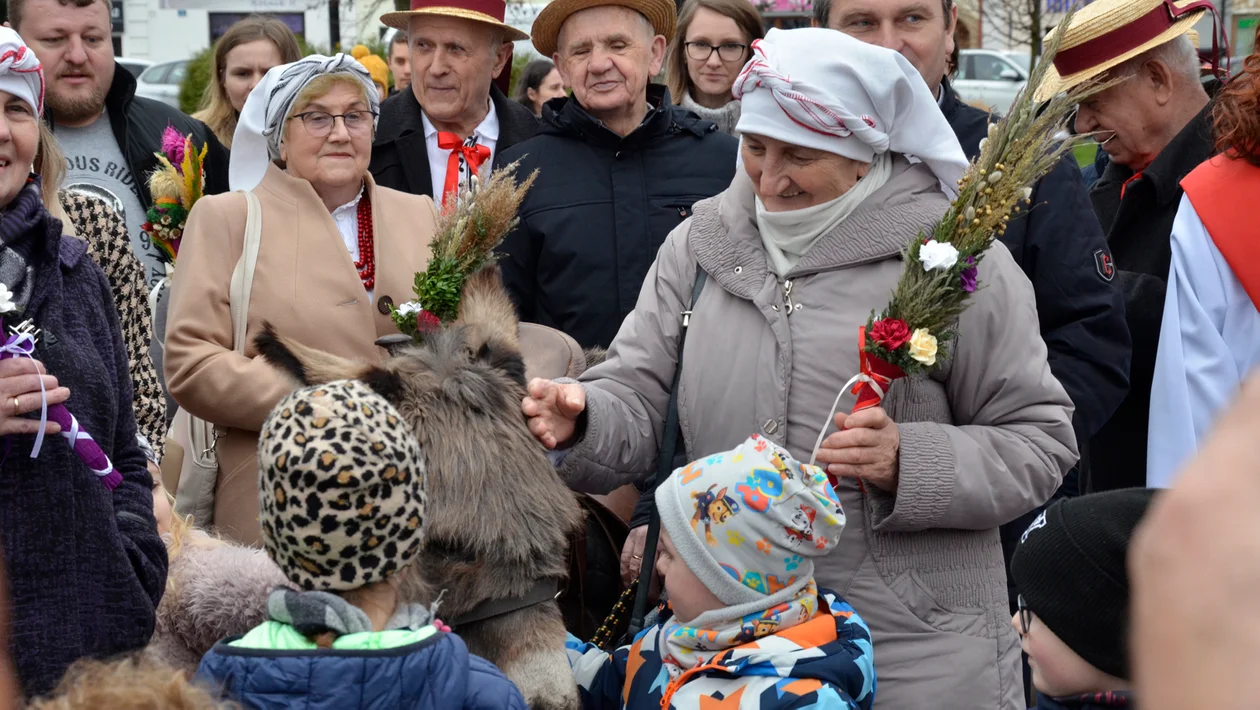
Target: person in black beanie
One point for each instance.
(1069, 568)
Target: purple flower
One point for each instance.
(968, 275)
(173, 145)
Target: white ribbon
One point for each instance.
(858, 378)
(23, 345)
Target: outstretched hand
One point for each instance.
(866, 447)
(553, 410)
(21, 393)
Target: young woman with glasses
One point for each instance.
(707, 53)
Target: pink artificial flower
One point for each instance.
(173, 146)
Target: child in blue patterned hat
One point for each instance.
(745, 622)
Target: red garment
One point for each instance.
(1222, 190)
(461, 151)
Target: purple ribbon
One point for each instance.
(21, 343)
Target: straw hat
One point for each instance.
(662, 14)
(489, 12)
(1107, 33)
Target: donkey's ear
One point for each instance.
(385, 383)
(305, 364)
(504, 358)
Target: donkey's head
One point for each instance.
(501, 516)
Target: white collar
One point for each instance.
(488, 129)
(352, 204)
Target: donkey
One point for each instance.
(499, 517)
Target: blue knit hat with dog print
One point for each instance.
(748, 522)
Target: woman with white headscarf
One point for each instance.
(335, 250)
(846, 158)
(86, 566)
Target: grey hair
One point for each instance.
(822, 11)
(1178, 54)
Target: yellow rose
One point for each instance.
(923, 347)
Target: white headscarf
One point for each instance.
(20, 70)
(822, 89)
(260, 129)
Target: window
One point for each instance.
(178, 71)
(156, 74)
(986, 67)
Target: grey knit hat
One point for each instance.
(342, 487)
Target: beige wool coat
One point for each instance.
(305, 285)
(984, 438)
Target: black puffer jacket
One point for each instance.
(601, 208)
(138, 124)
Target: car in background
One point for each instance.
(135, 66)
(161, 82)
(989, 78)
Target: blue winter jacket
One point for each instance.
(436, 673)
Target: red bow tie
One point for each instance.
(472, 155)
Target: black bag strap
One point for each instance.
(664, 467)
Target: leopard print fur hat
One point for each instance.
(342, 487)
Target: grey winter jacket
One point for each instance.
(984, 438)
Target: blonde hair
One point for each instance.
(183, 531)
(50, 166)
(216, 108)
(132, 682)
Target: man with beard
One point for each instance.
(109, 135)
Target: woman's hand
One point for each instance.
(865, 447)
(632, 559)
(553, 410)
(20, 394)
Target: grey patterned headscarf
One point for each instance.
(260, 129)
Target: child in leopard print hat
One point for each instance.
(342, 512)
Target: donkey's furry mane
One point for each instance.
(500, 516)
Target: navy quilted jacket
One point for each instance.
(437, 673)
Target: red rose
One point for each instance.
(426, 321)
(892, 333)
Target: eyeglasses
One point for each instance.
(320, 124)
(701, 51)
(1025, 614)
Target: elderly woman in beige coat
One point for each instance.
(846, 158)
(335, 249)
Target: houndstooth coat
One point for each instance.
(110, 247)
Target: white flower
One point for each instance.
(6, 300)
(983, 142)
(937, 255)
(993, 128)
(410, 308)
(1025, 194)
(969, 213)
(995, 176)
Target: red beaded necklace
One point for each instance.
(367, 254)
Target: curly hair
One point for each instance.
(128, 684)
(1236, 116)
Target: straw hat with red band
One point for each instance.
(661, 14)
(1107, 33)
(489, 12)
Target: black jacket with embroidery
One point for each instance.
(601, 208)
(1060, 246)
(1139, 227)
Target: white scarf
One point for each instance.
(787, 236)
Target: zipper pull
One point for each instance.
(787, 295)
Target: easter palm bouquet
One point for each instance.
(468, 232)
(175, 187)
(913, 333)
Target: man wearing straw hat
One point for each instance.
(1155, 127)
(619, 167)
(451, 121)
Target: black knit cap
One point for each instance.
(1070, 568)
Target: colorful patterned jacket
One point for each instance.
(826, 663)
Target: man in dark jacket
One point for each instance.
(1058, 243)
(1155, 127)
(619, 168)
(452, 120)
(108, 134)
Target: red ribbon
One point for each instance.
(881, 372)
(474, 155)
